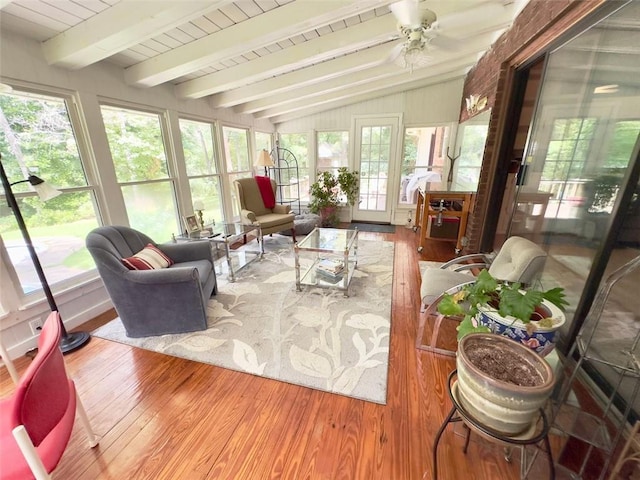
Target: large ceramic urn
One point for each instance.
(502, 383)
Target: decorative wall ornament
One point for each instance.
(475, 104)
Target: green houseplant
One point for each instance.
(491, 305)
(332, 190)
(501, 382)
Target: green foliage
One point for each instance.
(329, 188)
(136, 145)
(470, 325)
(509, 299)
(296, 143)
(36, 137)
(410, 154)
(518, 304)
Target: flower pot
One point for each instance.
(502, 383)
(540, 339)
(329, 216)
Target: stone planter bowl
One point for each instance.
(502, 406)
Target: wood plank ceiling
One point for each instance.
(275, 59)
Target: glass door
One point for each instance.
(375, 150)
(579, 194)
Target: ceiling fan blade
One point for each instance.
(407, 13)
(395, 52)
(446, 43)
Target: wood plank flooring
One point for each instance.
(165, 418)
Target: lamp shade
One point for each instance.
(43, 189)
(264, 160)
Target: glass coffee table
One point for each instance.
(222, 236)
(334, 260)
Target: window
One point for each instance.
(297, 144)
(140, 161)
(423, 161)
(236, 153)
(263, 141)
(467, 168)
(202, 170)
(36, 136)
(332, 150)
(566, 164)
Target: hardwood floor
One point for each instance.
(160, 417)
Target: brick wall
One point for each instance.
(539, 24)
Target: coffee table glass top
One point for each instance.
(229, 230)
(328, 240)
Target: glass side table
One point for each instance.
(333, 247)
(226, 234)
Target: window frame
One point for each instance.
(231, 202)
(167, 144)
(217, 160)
(448, 138)
(22, 300)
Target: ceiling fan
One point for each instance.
(416, 27)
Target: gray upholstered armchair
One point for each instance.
(253, 210)
(154, 302)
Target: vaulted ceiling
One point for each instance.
(275, 59)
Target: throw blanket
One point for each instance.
(264, 185)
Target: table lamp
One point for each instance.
(198, 206)
(264, 160)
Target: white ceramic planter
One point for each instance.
(502, 406)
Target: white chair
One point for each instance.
(518, 260)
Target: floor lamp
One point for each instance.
(69, 341)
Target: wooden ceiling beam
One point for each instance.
(298, 92)
(119, 27)
(298, 56)
(427, 74)
(363, 97)
(268, 28)
(306, 76)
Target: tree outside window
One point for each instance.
(263, 142)
(332, 150)
(140, 161)
(470, 154)
(238, 160)
(297, 143)
(202, 170)
(36, 136)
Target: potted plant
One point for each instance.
(502, 383)
(530, 316)
(331, 191)
(503, 379)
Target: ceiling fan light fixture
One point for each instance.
(416, 26)
(412, 54)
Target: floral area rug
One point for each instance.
(316, 338)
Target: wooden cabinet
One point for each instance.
(443, 215)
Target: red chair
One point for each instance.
(36, 421)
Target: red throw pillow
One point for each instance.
(149, 258)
